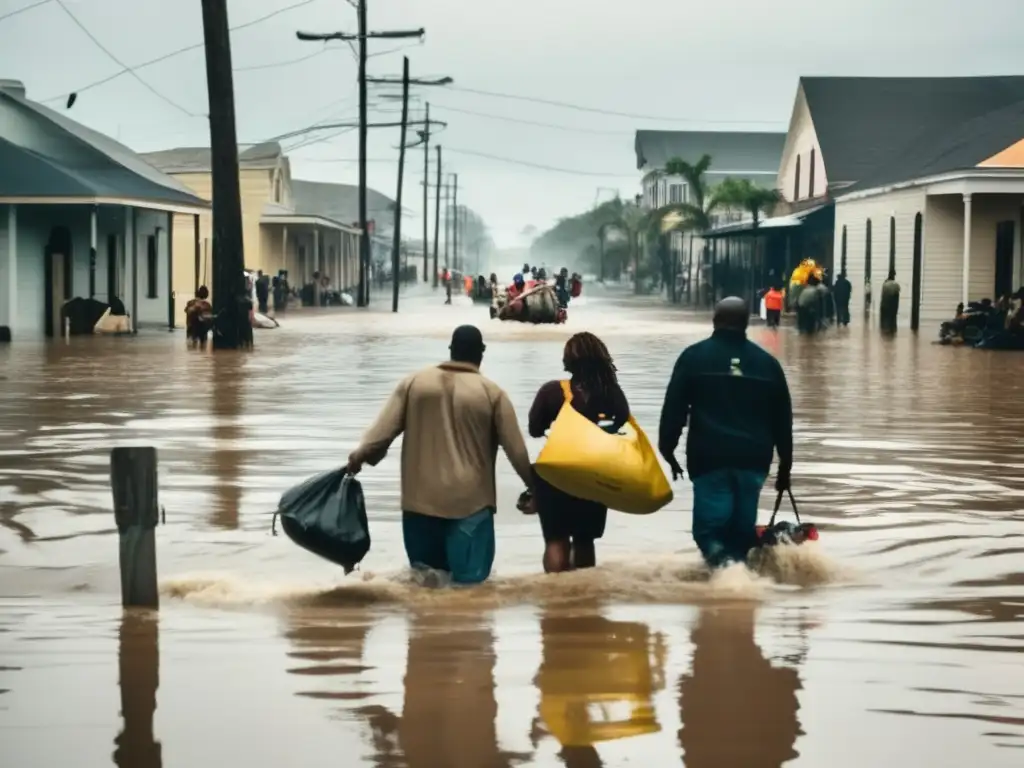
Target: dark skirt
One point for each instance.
(564, 517)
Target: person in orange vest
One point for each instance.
(773, 306)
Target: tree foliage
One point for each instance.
(569, 242)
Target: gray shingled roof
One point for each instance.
(45, 154)
(875, 130)
(732, 153)
(197, 159)
(340, 203)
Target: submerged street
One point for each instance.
(894, 640)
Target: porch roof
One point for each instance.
(775, 222)
(977, 181)
(284, 218)
(47, 158)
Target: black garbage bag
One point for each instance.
(327, 516)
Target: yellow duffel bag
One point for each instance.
(620, 471)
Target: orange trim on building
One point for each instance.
(1011, 157)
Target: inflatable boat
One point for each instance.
(537, 305)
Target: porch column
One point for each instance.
(92, 252)
(284, 248)
(170, 271)
(12, 268)
(198, 251)
(318, 265)
(135, 268)
(966, 293)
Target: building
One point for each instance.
(922, 176)
(753, 156)
(80, 215)
(301, 227)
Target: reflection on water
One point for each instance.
(138, 659)
(738, 710)
(596, 682)
(227, 385)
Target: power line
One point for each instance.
(120, 63)
(170, 55)
(570, 128)
(538, 166)
(598, 111)
(287, 62)
(25, 8)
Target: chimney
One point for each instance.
(14, 87)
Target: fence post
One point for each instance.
(133, 480)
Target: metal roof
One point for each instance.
(47, 155)
(876, 130)
(340, 202)
(775, 222)
(197, 159)
(732, 153)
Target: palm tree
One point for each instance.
(755, 200)
(695, 215)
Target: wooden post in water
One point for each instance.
(133, 481)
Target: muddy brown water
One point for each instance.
(896, 640)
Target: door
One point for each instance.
(1005, 231)
(915, 285)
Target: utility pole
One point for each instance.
(231, 326)
(447, 223)
(363, 35)
(364, 241)
(455, 223)
(395, 257)
(437, 210)
(426, 188)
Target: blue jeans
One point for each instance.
(464, 548)
(725, 514)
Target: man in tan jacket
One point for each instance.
(454, 419)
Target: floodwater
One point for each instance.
(895, 640)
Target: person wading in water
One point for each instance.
(571, 525)
(841, 293)
(454, 419)
(735, 397)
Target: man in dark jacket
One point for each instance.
(842, 292)
(735, 397)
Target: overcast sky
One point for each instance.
(672, 65)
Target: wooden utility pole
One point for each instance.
(231, 326)
(447, 223)
(395, 256)
(136, 513)
(437, 210)
(455, 222)
(363, 292)
(426, 190)
(364, 240)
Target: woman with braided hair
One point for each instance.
(571, 525)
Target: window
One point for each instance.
(842, 254)
(810, 174)
(867, 267)
(151, 267)
(675, 193)
(892, 244)
(796, 180)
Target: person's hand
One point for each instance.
(353, 466)
(677, 471)
(782, 482)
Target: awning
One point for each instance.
(775, 222)
(307, 220)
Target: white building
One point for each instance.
(927, 178)
(80, 215)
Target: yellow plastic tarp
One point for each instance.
(620, 471)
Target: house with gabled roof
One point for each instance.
(927, 178)
(80, 216)
(286, 224)
(919, 176)
(753, 156)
